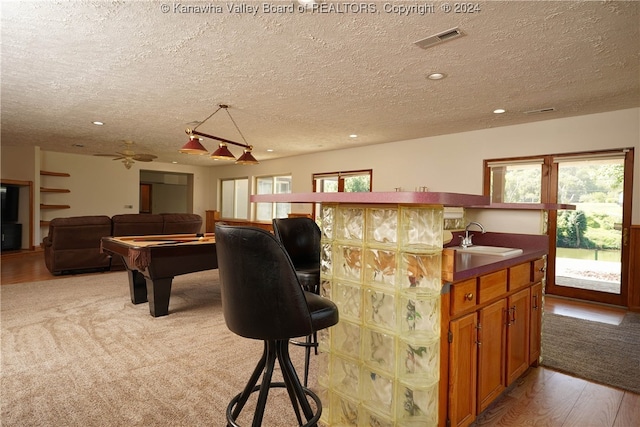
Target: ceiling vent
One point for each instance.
(442, 37)
(541, 110)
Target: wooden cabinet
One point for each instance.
(462, 370)
(517, 334)
(463, 296)
(494, 336)
(535, 337)
(492, 286)
(491, 353)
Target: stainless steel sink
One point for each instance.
(489, 250)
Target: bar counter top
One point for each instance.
(377, 197)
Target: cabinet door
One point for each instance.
(462, 370)
(517, 334)
(491, 352)
(535, 336)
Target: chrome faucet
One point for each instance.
(466, 240)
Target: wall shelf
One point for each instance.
(54, 190)
(50, 190)
(49, 173)
(45, 206)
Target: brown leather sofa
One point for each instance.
(149, 224)
(73, 244)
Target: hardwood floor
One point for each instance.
(24, 266)
(584, 310)
(542, 397)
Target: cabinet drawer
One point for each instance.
(463, 296)
(538, 270)
(519, 276)
(492, 286)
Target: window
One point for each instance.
(341, 182)
(273, 185)
(235, 198)
(516, 181)
(338, 182)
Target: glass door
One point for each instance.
(590, 241)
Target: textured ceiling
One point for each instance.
(302, 82)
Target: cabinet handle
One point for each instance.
(478, 337)
(469, 296)
(535, 302)
(511, 315)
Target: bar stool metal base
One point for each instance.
(310, 342)
(277, 349)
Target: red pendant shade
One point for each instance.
(247, 159)
(222, 153)
(193, 147)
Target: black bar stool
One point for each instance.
(301, 239)
(262, 299)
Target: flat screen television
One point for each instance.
(10, 198)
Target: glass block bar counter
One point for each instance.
(381, 263)
(381, 266)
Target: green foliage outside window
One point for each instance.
(595, 190)
(357, 184)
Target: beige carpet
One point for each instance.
(77, 352)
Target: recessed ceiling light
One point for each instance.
(436, 76)
(499, 111)
(269, 150)
(353, 135)
(98, 123)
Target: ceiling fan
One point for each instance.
(128, 156)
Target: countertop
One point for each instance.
(467, 265)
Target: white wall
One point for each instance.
(170, 192)
(453, 163)
(169, 198)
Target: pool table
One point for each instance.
(153, 261)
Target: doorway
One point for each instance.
(165, 192)
(588, 246)
(590, 255)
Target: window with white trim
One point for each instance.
(234, 198)
(273, 185)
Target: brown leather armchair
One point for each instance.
(74, 244)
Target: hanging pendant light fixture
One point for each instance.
(193, 146)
